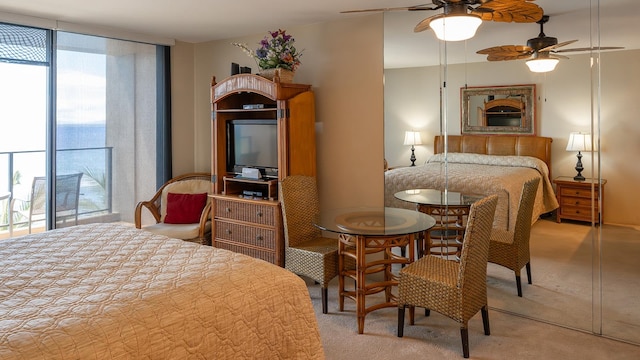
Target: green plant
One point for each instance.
(276, 51)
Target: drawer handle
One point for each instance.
(259, 238)
(228, 231)
(259, 213)
(227, 210)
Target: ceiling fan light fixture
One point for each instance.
(542, 65)
(456, 27)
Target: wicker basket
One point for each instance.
(285, 76)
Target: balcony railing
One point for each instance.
(17, 169)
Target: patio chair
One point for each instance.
(67, 189)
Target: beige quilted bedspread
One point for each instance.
(477, 174)
(106, 291)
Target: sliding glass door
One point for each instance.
(105, 120)
(79, 119)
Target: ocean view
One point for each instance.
(80, 149)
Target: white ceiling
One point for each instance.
(206, 20)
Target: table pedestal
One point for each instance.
(352, 262)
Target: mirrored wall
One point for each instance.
(584, 273)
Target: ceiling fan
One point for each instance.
(542, 51)
(462, 19)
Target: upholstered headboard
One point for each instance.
(536, 146)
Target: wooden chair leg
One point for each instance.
(401, 321)
(464, 334)
(529, 272)
(324, 291)
(485, 320)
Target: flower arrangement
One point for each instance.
(275, 51)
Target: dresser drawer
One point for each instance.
(244, 234)
(582, 202)
(247, 212)
(269, 256)
(578, 192)
(576, 211)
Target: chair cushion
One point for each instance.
(192, 186)
(185, 208)
(178, 231)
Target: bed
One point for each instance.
(482, 165)
(103, 291)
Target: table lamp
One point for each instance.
(579, 142)
(412, 138)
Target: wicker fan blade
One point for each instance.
(507, 52)
(425, 24)
(520, 11)
(406, 8)
(590, 49)
(553, 47)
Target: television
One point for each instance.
(253, 143)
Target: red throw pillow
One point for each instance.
(184, 208)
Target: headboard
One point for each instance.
(536, 146)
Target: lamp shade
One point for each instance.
(542, 65)
(412, 138)
(455, 27)
(579, 142)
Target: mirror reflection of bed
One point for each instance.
(568, 288)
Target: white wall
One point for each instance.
(563, 105)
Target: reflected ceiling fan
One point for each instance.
(461, 19)
(542, 51)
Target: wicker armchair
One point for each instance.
(511, 248)
(455, 289)
(198, 231)
(307, 253)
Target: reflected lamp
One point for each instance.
(579, 142)
(412, 138)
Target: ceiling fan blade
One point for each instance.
(553, 47)
(406, 8)
(596, 48)
(507, 52)
(425, 24)
(507, 49)
(520, 11)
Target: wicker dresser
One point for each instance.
(251, 227)
(246, 210)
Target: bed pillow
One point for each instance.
(184, 208)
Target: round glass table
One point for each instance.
(450, 208)
(364, 232)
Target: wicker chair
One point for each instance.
(511, 248)
(197, 232)
(455, 289)
(307, 253)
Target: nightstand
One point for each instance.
(575, 197)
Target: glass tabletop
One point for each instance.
(437, 197)
(374, 221)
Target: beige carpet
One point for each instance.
(437, 337)
(561, 294)
(564, 284)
